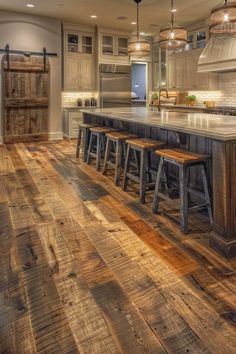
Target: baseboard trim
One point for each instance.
(55, 136)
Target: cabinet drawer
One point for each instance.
(75, 115)
(75, 122)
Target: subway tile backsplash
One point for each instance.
(69, 99)
(225, 96)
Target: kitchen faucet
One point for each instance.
(159, 101)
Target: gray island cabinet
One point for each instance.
(211, 134)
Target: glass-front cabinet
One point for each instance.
(114, 47)
(197, 39)
(72, 43)
(79, 43)
(159, 67)
(79, 61)
(87, 44)
(122, 49)
(107, 44)
(201, 38)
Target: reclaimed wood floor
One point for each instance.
(85, 269)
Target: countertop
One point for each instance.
(218, 127)
(77, 107)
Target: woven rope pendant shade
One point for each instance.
(223, 18)
(138, 47)
(172, 36)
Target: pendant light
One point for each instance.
(172, 36)
(138, 47)
(223, 18)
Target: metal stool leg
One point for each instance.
(157, 186)
(143, 177)
(118, 158)
(90, 148)
(206, 192)
(86, 143)
(183, 198)
(127, 163)
(78, 143)
(99, 147)
(107, 155)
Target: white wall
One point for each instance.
(32, 33)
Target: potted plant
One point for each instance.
(155, 98)
(190, 100)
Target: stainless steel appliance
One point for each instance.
(115, 85)
(225, 110)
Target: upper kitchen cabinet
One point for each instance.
(159, 67)
(79, 59)
(113, 47)
(198, 36)
(183, 74)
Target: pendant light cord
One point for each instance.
(172, 14)
(138, 36)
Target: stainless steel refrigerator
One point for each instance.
(115, 85)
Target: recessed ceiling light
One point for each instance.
(133, 23)
(30, 5)
(142, 33)
(93, 16)
(173, 10)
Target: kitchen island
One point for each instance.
(211, 134)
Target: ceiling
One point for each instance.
(153, 13)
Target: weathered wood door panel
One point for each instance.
(25, 98)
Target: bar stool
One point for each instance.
(97, 143)
(83, 132)
(143, 176)
(118, 140)
(184, 160)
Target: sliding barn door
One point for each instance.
(25, 98)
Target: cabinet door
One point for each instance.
(191, 81)
(122, 46)
(72, 72)
(180, 70)
(87, 76)
(87, 44)
(156, 75)
(171, 72)
(72, 43)
(107, 45)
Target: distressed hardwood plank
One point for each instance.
(88, 273)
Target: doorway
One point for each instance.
(139, 83)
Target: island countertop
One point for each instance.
(218, 127)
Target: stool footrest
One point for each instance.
(197, 207)
(197, 193)
(132, 177)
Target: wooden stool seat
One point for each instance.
(97, 143)
(86, 125)
(101, 130)
(143, 174)
(145, 143)
(181, 156)
(117, 140)
(120, 136)
(83, 132)
(184, 160)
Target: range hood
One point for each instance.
(219, 55)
